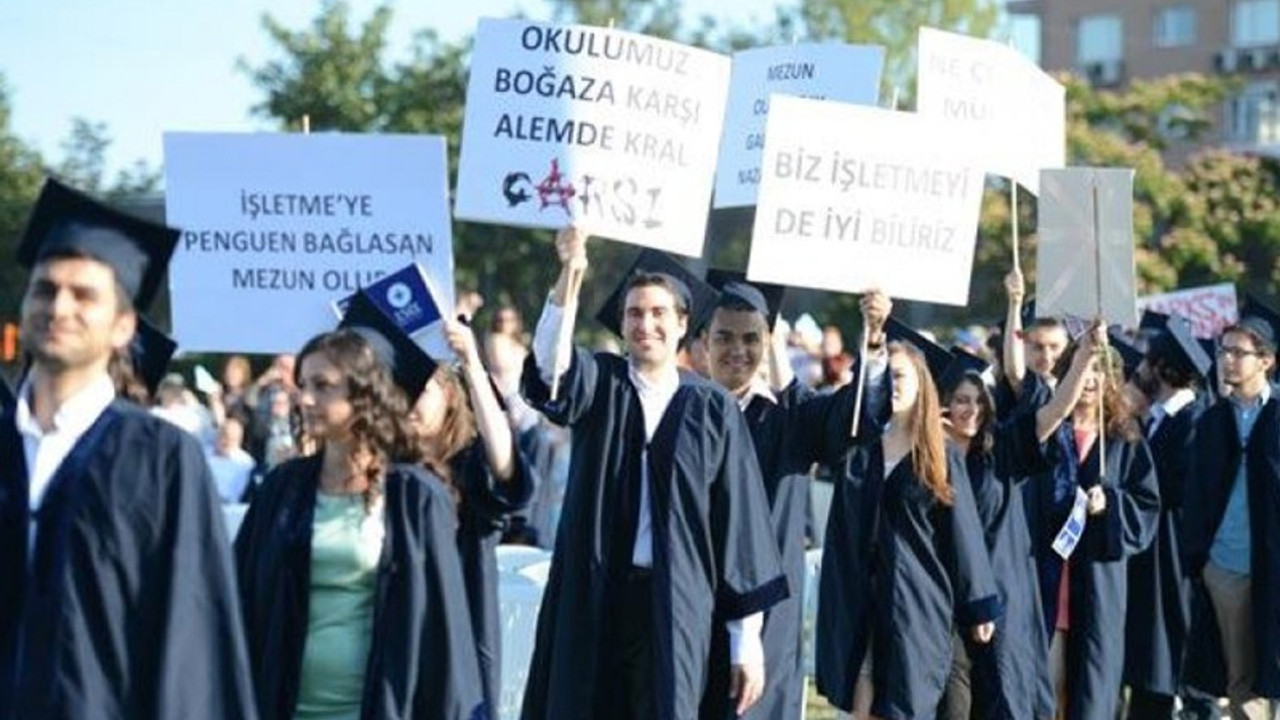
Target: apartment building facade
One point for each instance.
(1111, 42)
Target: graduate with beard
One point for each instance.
(117, 593)
(353, 594)
(1231, 525)
(792, 428)
(665, 528)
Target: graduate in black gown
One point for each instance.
(1084, 598)
(1032, 348)
(665, 527)
(904, 560)
(792, 428)
(7, 398)
(1169, 380)
(365, 616)
(117, 591)
(467, 442)
(1231, 525)
(1010, 676)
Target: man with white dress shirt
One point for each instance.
(117, 597)
(665, 528)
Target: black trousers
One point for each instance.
(957, 697)
(1145, 705)
(628, 658)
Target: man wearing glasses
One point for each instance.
(1232, 520)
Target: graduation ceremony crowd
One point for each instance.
(1070, 521)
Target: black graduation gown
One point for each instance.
(422, 661)
(802, 428)
(1010, 675)
(1217, 456)
(1099, 572)
(899, 571)
(482, 518)
(130, 610)
(714, 555)
(1159, 586)
(1035, 393)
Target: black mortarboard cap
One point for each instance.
(1130, 349)
(411, 367)
(1177, 344)
(1153, 320)
(729, 283)
(962, 363)
(150, 352)
(938, 358)
(698, 296)
(68, 222)
(1261, 319)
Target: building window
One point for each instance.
(1255, 22)
(1255, 115)
(1175, 26)
(1100, 39)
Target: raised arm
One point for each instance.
(780, 372)
(1068, 392)
(491, 421)
(1014, 360)
(576, 384)
(571, 249)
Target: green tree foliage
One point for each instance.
(1212, 218)
(21, 172)
(1208, 219)
(660, 18)
(893, 24)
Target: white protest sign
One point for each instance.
(827, 71)
(274, 226)
(855, 197)
(609, 129)
(1210, 309)
(1085, 258)
(997, 101)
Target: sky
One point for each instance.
(145, 67)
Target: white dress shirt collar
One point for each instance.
(76, 413)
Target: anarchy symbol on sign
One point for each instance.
(551, 191)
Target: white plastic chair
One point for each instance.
(809, 622)
(519, 598)
(511, 558)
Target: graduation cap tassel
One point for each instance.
(861, 380)
(1106, 355)
(572, 289)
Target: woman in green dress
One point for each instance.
(349, 574)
